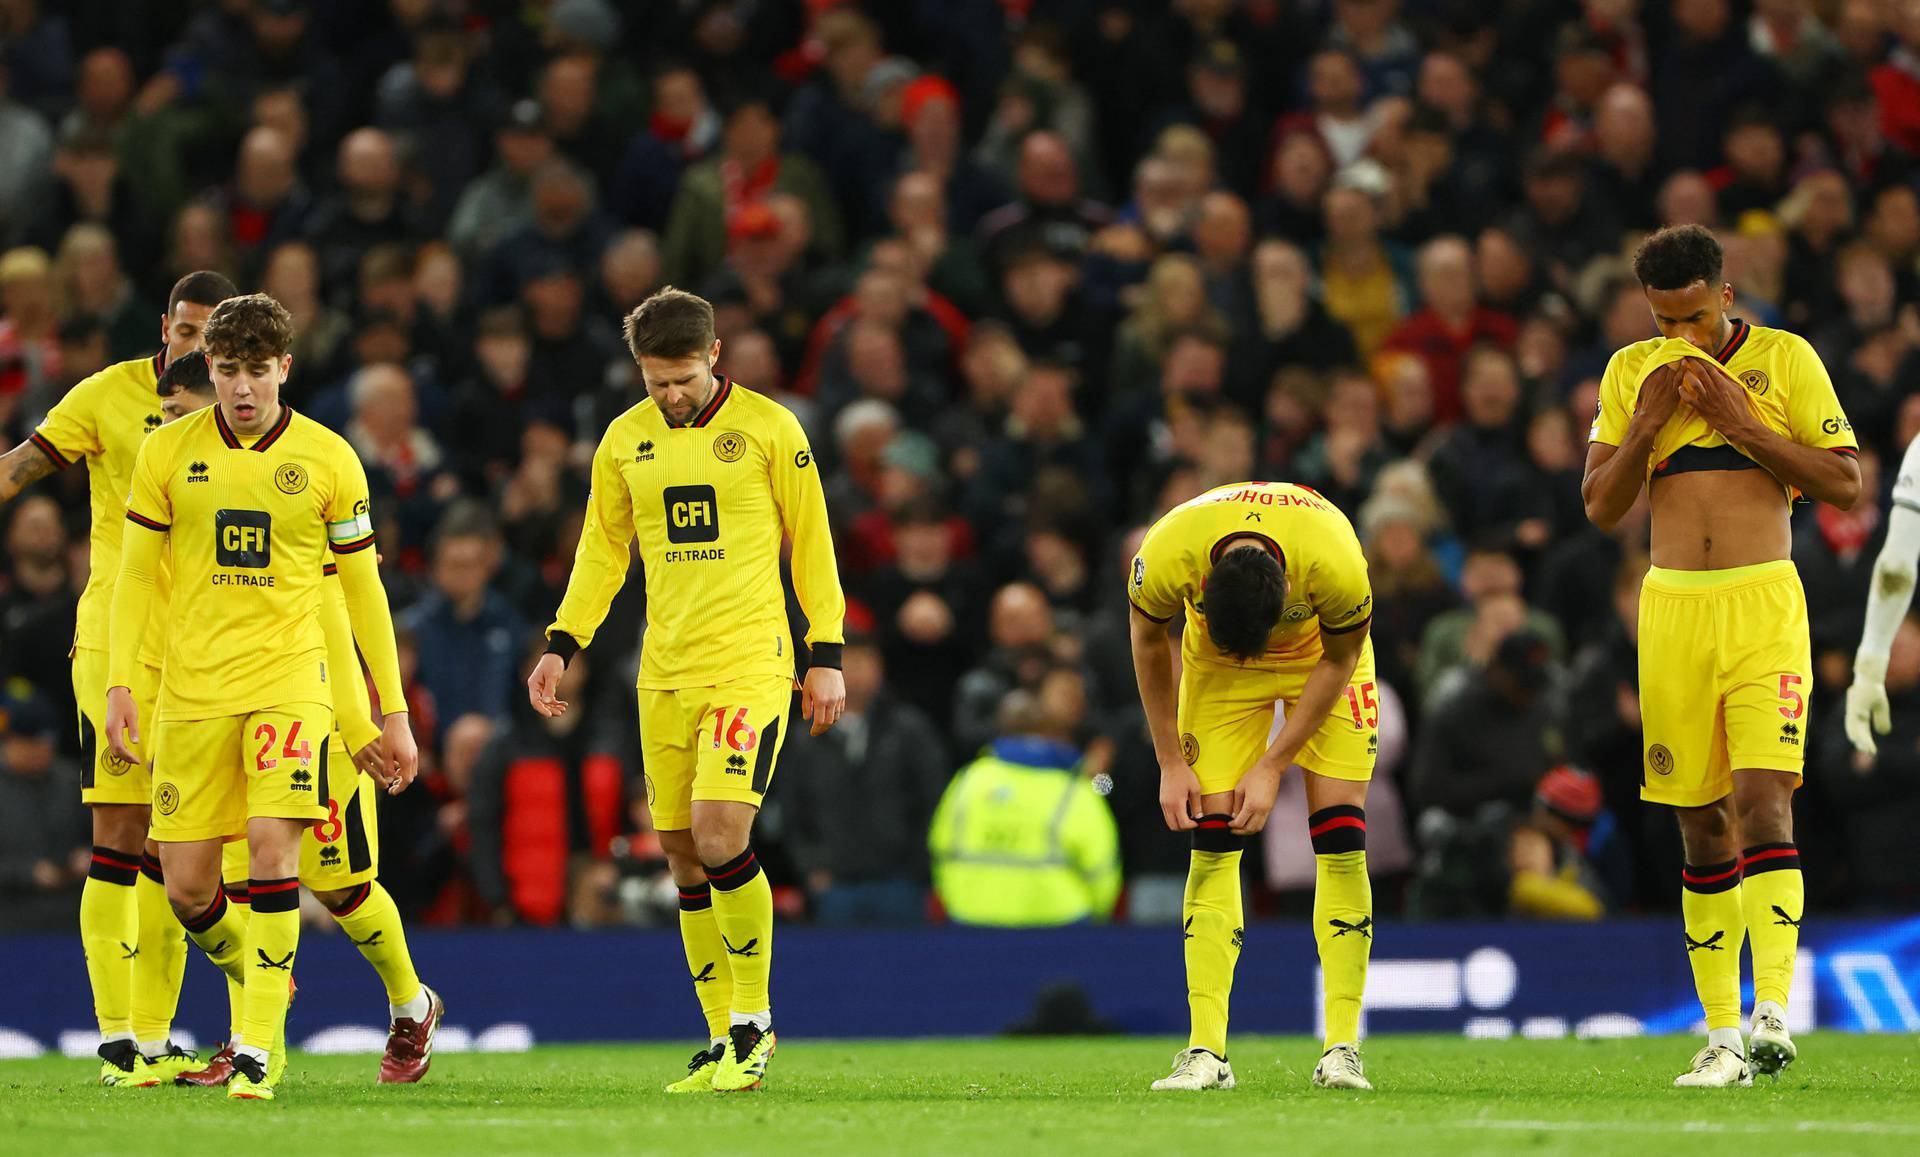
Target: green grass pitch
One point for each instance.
(1435, 1095)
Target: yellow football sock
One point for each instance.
(162, 958)
(371, 920)
(1715, 928)
(1212, 926)
(1342, 916)
(1774, 897)
(707, 959)
(233, 870)
(273, 936)
(110, 936)
(221, 932)
(743, 913)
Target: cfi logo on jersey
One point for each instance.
(730, 446)
(644, 451)
(291, 478)
(1755, 381)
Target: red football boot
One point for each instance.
(410, 1044)
(218, 1072)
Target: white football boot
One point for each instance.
(1340, 1068)
(1194, 1070)
(1769, 1045)
(1716, 1067)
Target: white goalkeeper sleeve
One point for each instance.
(1891, 594)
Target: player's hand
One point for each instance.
(542, 684)
(1179, 796)
(123, 724)
(1659, 396)
(823, 697)
(401, 753)
(1253, 799)
(1716, 397)
(372, 760)
(1867, 713)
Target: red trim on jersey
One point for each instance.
(279, 428)
(357, 544)
(1273, 548)
(714, 403)
(1735, 340)
(45, 447)
(150, 524)
(1846, 450)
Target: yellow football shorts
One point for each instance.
(212, 775)
(343, 850)
(1225, 715)
(1725, 671)
(711, 743)
(104, 777)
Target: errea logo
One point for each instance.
(197, 472)
(154, 422)
(644, 451)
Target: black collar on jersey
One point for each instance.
(1272, 547)
(713, 404)
(159, 366)
(267, 439)
(1736, 338)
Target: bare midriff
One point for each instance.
(1718, 519)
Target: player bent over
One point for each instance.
(1277, 601)
(134, 948)
(340, 856)
(251, 497)
(1726, 424)
(707, 476)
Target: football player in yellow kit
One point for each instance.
(1724, 424)
(133, 946)
(708, 477)
(340, 856)
(1274, 587)
(251, 498)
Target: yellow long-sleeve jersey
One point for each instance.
(249, 524)
(708, 504)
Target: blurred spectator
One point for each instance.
(866, 865)
(1173, 301)
(1877, 797)
(716, 195)
(266, 204)
(37, 604)
(682, 130)
(1410, 589)
(29, 345)
(1047, 212)
(1551, 851)
(1491, 737)
(1480, 467)
(368, 210)
(42, 855)
(1362, 277)
(439, 111)
(500, 200)
(1019, 635)
(89, 280)
(930, 114)
(26, 147)
(1459, 639)
(564, 231)
(1450, 321)
(469, 635)
(1021, 838)
(291, 274)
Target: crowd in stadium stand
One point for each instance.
(1031, 272)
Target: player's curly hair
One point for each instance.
(251, 328)
(1678, 256)
(671, 324)
(1245, 594)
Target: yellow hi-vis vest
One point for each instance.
(1022, 840)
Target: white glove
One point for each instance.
(1867, 711)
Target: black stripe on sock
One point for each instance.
(282, 895)
(735, 873)
(351, 904)
(1769, 858)
(696, 899)
(1706, 879)
(111, 867)
(1336, 829)
(213, 914)
(150, 868)
(1213, 835)
(238, 893)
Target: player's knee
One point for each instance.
(334, 899)
(719, 845)
(1707, 832)
(190, 898)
